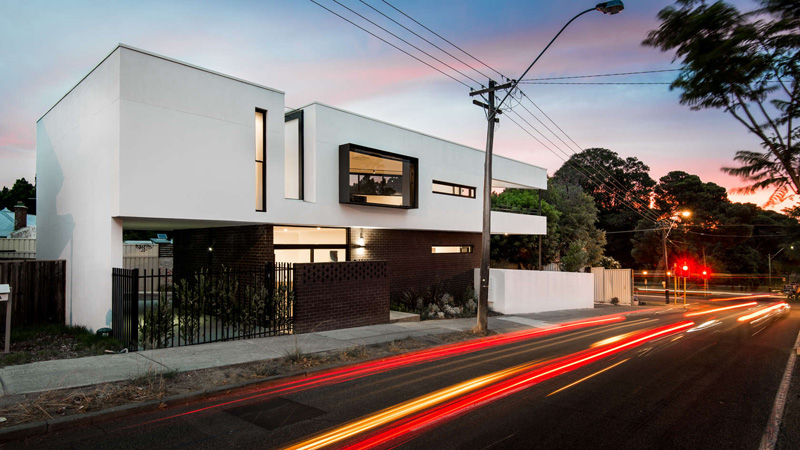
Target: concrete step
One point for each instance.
(397, 316)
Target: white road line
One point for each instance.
(770, 436)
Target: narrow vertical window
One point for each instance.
(293, 156)
(261, 166)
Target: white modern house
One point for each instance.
(146, 142)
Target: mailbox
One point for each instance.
(5, 296)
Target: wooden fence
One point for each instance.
(37, 290)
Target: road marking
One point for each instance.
(770, 436)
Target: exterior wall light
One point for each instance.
(211, 249)
(360, 242)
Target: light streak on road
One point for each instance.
(515, 379)
(406, 408)
(325, 378)
(587, 377)
(743, 297)
(715, 310)
(611, 340)
(763, 311)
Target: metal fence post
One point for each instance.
(133, 312)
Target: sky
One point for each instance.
(296, 46)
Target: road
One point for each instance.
(648, 380)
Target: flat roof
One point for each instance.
(166, 58)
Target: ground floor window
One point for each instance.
(309, 244)
(451, 249)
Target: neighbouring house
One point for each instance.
(18, 223)
(17, 233)
(240, 181)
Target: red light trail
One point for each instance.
(522, 377)
(352, 372)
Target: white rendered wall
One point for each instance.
(327, 128)
(187, 150)
(531, 291)
(187, 142)
(77, 186)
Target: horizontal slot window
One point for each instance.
(451, 249)
(458, 190)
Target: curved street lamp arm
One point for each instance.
(516, 82)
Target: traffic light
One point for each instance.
(684, 268)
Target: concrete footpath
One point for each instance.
(72, 373)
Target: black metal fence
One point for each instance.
(210, 306)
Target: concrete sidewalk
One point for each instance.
(72, 373)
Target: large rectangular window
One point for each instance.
(294, 164)
(373, 177)
(442, 187)
(261, 164)
(309, 244)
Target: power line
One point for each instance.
(617, 188)
(588, 174)
(429, 42)
(589, 177)
(410, 44)
(601, 75)
(593, 83)
(440, 37)
(396, 47)
(610, 188)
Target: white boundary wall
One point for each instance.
(531, 291)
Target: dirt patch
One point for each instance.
(20, 409)
(50, 342)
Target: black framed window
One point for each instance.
(377, 178)
(458, 190)
(261, 160)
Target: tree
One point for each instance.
(620, 187)
(522, 250)
(571, 217)
(730, 237)
(747, 65)
(21, 191)
(577, 222)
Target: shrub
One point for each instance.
(156, 328)
(614, 301)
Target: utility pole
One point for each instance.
(486, 234)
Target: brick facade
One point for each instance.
(330, 296)
(231, 246)
(411, 263)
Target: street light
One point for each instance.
(769, 264)
(684, 213)
(610, 8)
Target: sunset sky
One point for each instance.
(298, 47)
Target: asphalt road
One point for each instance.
(663, 383)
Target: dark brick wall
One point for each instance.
(330, 296)
(411, 263)
(232, 246)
